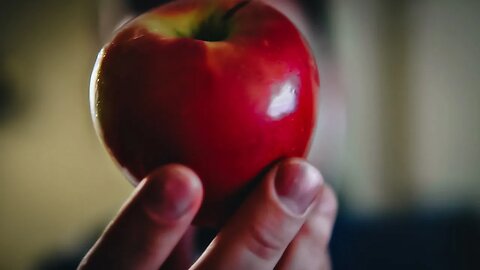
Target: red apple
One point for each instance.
(226, 88)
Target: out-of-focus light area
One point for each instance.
(398, 132)
(56, 181)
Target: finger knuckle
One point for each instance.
(263, 242)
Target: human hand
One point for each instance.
(277, 227)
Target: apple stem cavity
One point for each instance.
(216, 28)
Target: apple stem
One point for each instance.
(216, 28)
(234, 10)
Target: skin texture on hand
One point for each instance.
(285, 223)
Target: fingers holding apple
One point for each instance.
(288, 216)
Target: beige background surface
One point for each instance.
(56, 182)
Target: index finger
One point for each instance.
(150, 224)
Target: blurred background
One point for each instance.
(398, 132)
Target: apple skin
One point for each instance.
(227, 109)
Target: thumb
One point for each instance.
(257, 236)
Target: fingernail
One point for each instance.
(170, 194)
(297, 184)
